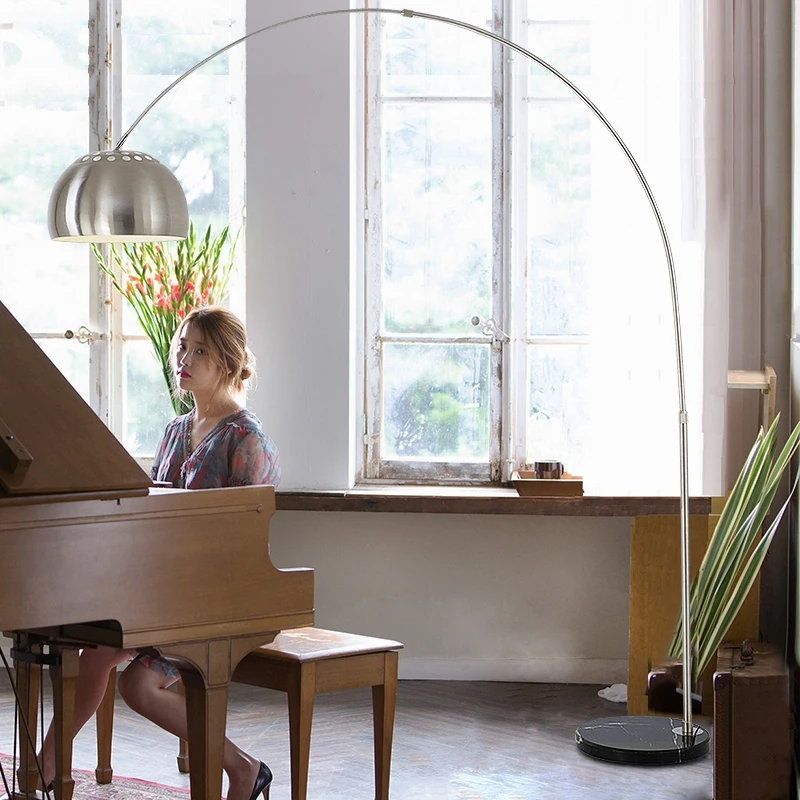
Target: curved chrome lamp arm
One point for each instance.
(230, 45)
(687, 726)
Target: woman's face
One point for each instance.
(196, 370)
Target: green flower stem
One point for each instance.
(163, 283)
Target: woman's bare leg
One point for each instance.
(94, 665)
(146, 691)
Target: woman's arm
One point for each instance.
(254, 460)
(165, 444)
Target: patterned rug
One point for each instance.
(87, 788)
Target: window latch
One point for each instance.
(84, 335)
(489, 327)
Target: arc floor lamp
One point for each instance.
(127, 196)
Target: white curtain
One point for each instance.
(695, 125)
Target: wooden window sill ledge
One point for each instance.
(481, 500)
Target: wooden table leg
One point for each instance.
(29, 681)
(206, 713)
(301, 688)
(64, 678)
(183, 757)
(384, 701)
(105, 727)
(183, 745)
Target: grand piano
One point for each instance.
(93, 553)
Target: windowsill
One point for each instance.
(481, 500)
(475, 500)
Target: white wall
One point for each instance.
(298, 237)
(471, 597)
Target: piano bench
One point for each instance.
(303, 662)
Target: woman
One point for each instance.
(219, 443)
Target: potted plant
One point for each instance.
(163, 282)
(736, 549)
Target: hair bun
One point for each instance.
(246, 373)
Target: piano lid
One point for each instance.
(50, 439)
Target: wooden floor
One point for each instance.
(453, 741)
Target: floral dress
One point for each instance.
(235, 453)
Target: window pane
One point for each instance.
(43, 86)
(147, 406)
(72, 359)
(558, 405)
(558, 218)
(436, 402)
(197, 130)
(437, 222)
(189, 129)
(565, 47)
(559, 10)
(433, 59)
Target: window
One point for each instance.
(518, 305)
(52, 59)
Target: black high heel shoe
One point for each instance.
(263, 781)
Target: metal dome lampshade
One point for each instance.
(117, 196)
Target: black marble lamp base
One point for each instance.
(641, 740)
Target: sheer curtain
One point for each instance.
(733, 252)
(647, 79)
(685, 94)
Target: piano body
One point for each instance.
(92, 553)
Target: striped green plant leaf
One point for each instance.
(739, 591)
(737, 548)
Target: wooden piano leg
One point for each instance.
(206, 713)
(205, 684)
(29, 681)
(64, 677)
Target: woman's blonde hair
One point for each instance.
(224, 334)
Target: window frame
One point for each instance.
(509, 351)
(514, 420)
(107, 354)
(375, 467)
